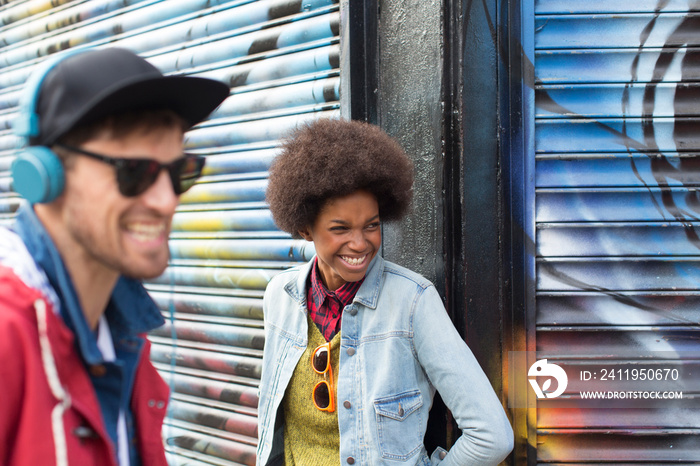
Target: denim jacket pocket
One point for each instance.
(399, 425)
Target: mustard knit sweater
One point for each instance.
(311, 436)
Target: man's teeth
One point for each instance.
(146, 231)
(353, 260)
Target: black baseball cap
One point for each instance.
(88, 86)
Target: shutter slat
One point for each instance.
(243, 162)
(613, 240)
(212, 306)
(205, 443)
(201, 387)
(614, 65)
(621, 135)
(297, 67)
(593, 341)
(621, 418)
(132, 22)
(606, 6)
(651, 204)
(618, 273)
(240, 366)
(618, 170)
(227, 335)
(617, 100)
(262, 102)
(210, 193)
(618, 308)
(214, 418)
(612, 31)
(250, 132)
(669, 446)
(245, 220)
(16, 31)
(295, 35)
(211, 276)
(265, 250)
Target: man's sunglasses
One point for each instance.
(135, 176)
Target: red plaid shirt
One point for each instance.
(326, 307)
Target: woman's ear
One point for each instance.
(306, 234)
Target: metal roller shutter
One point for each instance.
(616, 211)
(281, 59)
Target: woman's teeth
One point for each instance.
(354, 260)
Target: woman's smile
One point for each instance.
(354, 261)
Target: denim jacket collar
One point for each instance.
(130, 311)
(367, 295)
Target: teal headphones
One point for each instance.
(37, 172)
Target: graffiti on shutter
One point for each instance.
(616, 216)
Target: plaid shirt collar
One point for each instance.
(325, 307)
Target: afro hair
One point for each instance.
(330, 158)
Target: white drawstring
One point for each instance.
(59, 433)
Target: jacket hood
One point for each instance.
(15, 256)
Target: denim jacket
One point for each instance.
(398, 346)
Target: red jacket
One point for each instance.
(49, 413)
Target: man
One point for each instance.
(103, 167)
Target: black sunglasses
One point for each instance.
(134, 176)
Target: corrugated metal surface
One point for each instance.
(281, 59)
(617, 211)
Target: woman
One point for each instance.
(355, 345)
